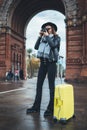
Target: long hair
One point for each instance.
(53, 31)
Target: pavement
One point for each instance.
(16, 97)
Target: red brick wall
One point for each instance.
(77, 46)
(1, 1)
(10, 45)
(2, 55)
(17, 47)
(74, 52)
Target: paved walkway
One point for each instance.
(16, 97)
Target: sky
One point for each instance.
(34, 27)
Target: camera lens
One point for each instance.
(43, 30)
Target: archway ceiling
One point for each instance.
(27, 9)
(14, 11)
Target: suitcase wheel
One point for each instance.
(63, 121)
(55, 120)
(74, 116)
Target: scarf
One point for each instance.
(44, 48)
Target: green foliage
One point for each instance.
(29, 50)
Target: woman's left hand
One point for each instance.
(46, 33)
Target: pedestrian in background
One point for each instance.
(48, 45)
(16, 75)
(9, 75)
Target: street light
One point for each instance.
(60, 61)
(0, 25)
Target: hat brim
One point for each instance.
(51, 24)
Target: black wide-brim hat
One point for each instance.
(50, 24)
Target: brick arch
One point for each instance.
(14, 16)
(10, 11)
(71, 8)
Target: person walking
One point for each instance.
(48, 46)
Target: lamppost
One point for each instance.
(0, 26)
(60, 68)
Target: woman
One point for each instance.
(48, 45)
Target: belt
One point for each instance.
(44, 60)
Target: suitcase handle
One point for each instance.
(58, 102)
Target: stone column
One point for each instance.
(2, 52)
(84, 52)
(74, 51)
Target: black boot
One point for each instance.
(32, 110)
(48, 113)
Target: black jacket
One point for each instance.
(54, 44)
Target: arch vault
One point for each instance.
(14, 17)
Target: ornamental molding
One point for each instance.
(78, 21)
(4, 10)
(2, 64)
(84, 60)
(77, 61)
(71, 8)
(16, 48)
(74, 61)
(73, 17)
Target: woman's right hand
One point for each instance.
(41, 33)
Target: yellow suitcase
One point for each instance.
(63, 102)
